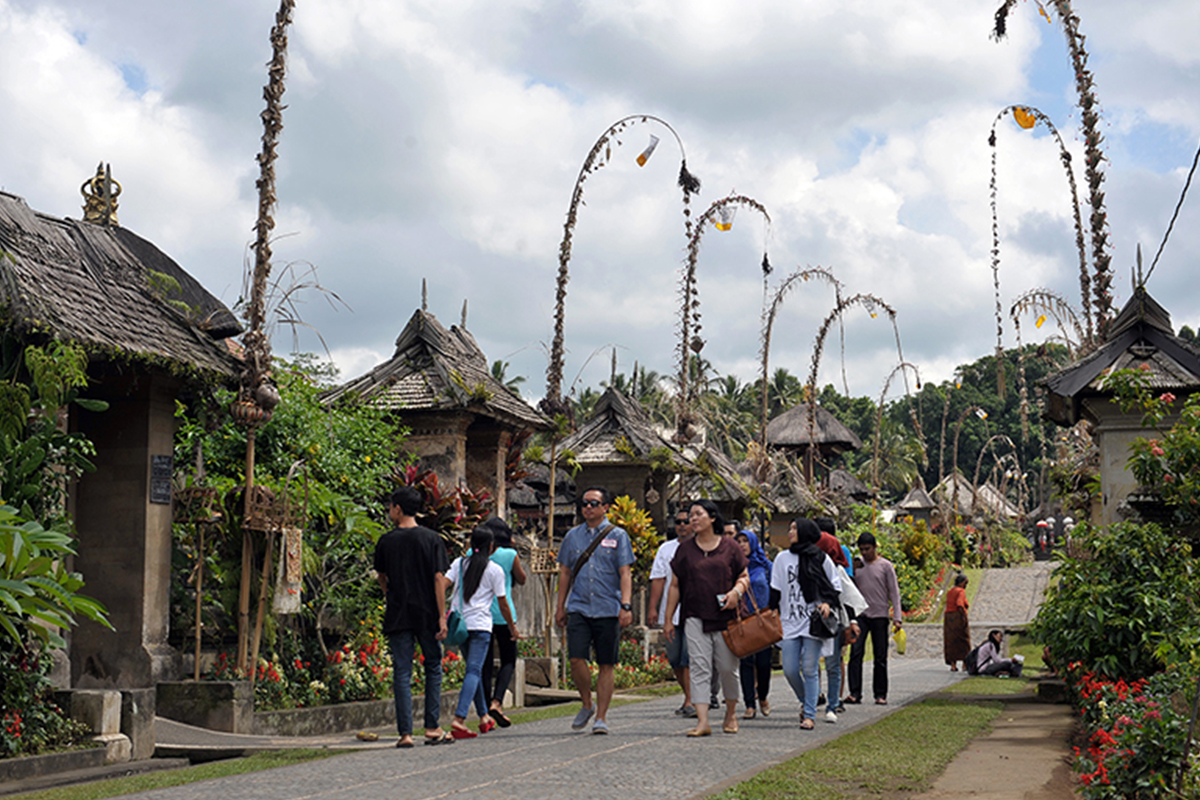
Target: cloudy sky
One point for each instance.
(440, 139)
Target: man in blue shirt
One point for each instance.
(594, 604)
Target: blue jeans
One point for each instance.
(805, 681)
(403, 644)
(476, 649)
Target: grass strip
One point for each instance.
(177, 777)
(986, 684)
(905, 751)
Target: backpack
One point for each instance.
(971, 662)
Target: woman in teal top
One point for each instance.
(510, 561)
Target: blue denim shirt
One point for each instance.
(597, 590)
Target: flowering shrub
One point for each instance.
(30, 721)
(626, 676)
(351, 673)
(1136, 732)
(1125, 608)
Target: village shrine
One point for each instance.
(1140, 337)
(462, 421)
(94, 284)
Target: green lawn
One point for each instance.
(987, 684)
(905, 751)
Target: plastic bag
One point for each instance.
(901, 641)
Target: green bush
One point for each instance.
(1125, 608)
(30, 722)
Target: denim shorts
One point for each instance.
(602, 633)
(677, 652)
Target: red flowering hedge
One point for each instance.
(1136, 733)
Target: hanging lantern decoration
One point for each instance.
(725, 215)
(1040, 321)
(1023, 117)
(649, 151)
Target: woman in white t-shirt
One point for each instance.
(804, 582)
(477, 581)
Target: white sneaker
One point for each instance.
(830, 716)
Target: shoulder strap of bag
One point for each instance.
(591, 548)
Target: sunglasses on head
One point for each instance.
(591, 503)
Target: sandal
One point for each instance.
(696, 732)
(463, 733)
(729, 728)
(852, 700)
(501, 720)
(441, 738)
(766, 707)
(806, 724)
(750, 713)
(881, 701)
(487, 726)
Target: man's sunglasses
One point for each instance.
(683, 521)
(591, 503)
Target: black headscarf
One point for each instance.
(814, 582)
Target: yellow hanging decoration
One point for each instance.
(649, 151)
(1040, 321)
(979, 412)
(1042, 11)
(1023, 117)
(725, 216)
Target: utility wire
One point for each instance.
(1174, 216)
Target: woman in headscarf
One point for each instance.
(956, 629)
(756, 667)
(803, 583)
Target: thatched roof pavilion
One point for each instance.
(619, 448)
(461, 418)
(101, 287)
(1141, 338)
(92, 284)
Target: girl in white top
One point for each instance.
(477, 581)
(804, 581)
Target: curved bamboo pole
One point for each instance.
(689, 309)
(769, 314)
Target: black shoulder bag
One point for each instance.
(586, 554)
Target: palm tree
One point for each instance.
(899, 453)
(500, 373)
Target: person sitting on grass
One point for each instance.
(990, 662)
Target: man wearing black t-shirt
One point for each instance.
(410, 565)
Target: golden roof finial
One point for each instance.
(100, 194)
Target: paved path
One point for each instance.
(1011, 595)
(646, 754)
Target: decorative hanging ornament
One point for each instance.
(1042, 11)
(649, 151)
(1025, 119)
(1040, 321)
(979, 412)
(725, 215)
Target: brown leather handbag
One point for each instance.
(747, 635)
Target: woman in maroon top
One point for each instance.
(710, 580)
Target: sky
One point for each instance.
(440, 140)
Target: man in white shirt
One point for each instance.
(660, 584)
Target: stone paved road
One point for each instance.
(645, 755)
(1011, 595)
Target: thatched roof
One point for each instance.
(719, 480)
(1140, 338)
(917, 500)
(792, 429)
(618, 432)
(841, 480)
(990, 500)
(434, 369)
(90, 284)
